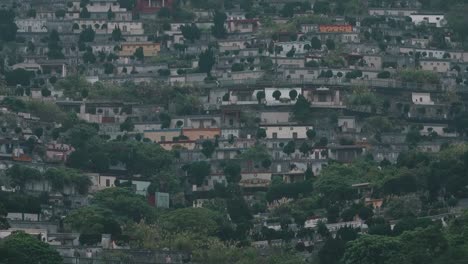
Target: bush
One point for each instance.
(276, 94)
(237, 67)
(90, 239)
(353, 74)
(383, 75)
(312, 64)
(53, 80)
(292, 190)
(164, 72)
(419, 76)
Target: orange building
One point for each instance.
(335, 28)
(201, 133)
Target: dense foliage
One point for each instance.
(23, 248)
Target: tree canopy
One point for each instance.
(20, 247)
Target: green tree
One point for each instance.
(116, 34)
(260, 96)
(290, 147)
(237, 67)
(190, 32)
(457, 20)
(127, 125)
(332, 251)
(288, 10)
(330, 44)
(165, 119)
(87, 35)
(145, 159)
(322, 7)
(20, 175)
(45, 92)
(311, 134)
(277, 95)
(266, 64)
(301, 109)
(261, 133)
(31, 13)
(200, 221)
(316, 43)
(232, 171)
(291, 52)
(164, 12)
(334, 185)
(60, 13)
(257, 153)
(124, 204)
(20, 247)
(372, 249)
(39, 131)
(55, 49)
(304, 148)
(206, 60)
(84, 13)
(80, 134)
(110, 14)
(413, 137)
(423, 245)
(92, 220)
(208, 148)
(383, 75)
(108, 68)
(99, 161)
(88, 56)
(127, 4)
(139, 55)
(8, 27)
(18, 76)
(62, 177)
(3, 221)
(218, 29)
(293, 94)
(197, 171)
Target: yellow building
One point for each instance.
(150, 49)
(162, 135)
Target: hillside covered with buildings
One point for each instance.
(233, 131)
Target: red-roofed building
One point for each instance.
(335, 28)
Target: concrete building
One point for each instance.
(101, 6)
(286, 131)
(373, 61)
(31, 25)
(100, 181)
(434, 65)
(298, 46)
(398, 12)
(242, 25)
(285, 97)
(437, 20)
(422, 98)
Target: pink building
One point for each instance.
(58, 152)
